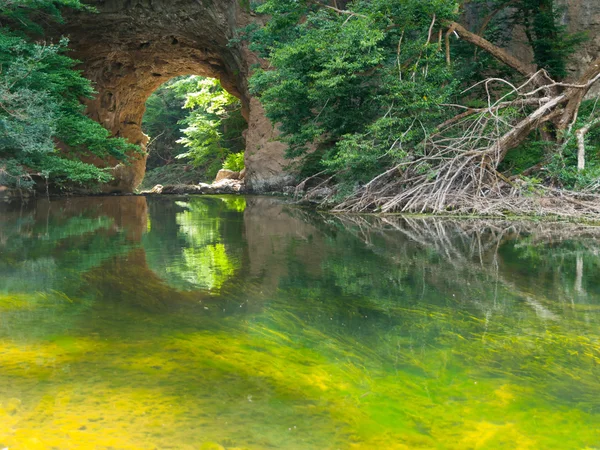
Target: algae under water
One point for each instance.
(244, 323)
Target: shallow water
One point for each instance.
(243, 323)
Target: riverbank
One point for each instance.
(558, 208)
(226, 186)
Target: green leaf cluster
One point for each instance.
(214, 124)
(43, 128)
(234, 161)
(365, 84)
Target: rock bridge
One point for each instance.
(128, 48)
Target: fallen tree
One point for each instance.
(374, 93)
(457, 167)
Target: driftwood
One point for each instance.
(458, 171)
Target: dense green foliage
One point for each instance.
(214, 125)
(560, 168)
(563, 163)
(194, 120)
(349, 83)
(40, 98)
(367, 85)
(161, 122)
(364, 83)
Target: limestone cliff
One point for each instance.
(582, 16)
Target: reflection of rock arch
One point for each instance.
(128, 214)
(130, 47)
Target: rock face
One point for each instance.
(130, 47)
(226, 186)
(582, 16)
(265, 156)
(579, 16)
(225, 174)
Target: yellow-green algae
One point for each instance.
(256, 385)
(348, 349)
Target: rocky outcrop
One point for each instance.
(130, 47)
(579, 16)
(225, 174)
(582, 16)
(226, 186)
(266, 165)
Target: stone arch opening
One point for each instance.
(211, 140)
(128, 48)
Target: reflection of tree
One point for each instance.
(235, 203)
(436, 297)
(208, 267)
(46, 247)
(527, 258)
(49, 253)
(375, 327)
(202, 247)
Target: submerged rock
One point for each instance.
(211, 446)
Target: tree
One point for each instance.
(214, 124)
(164, 112)
(43, 129)
(377, 88)
(348, 81)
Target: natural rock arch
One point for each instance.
(130, 47)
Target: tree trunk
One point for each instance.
(581, 148)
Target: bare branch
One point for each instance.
(339, 11)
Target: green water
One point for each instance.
(244, 323)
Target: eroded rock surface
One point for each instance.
(579, 16)
(130, 47)
(582, 16)
(225, 174)
(266, 166)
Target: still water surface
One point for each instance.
(243, 323)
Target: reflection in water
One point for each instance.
(200, 254)
(244, 323)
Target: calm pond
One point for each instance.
(246, 323)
